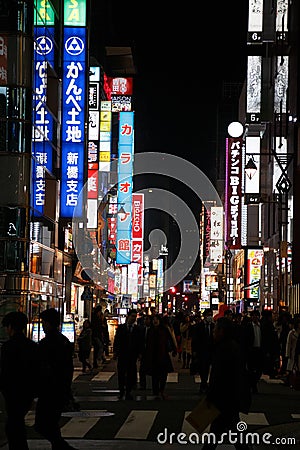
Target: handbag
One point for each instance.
(294, 378)
(202, 415)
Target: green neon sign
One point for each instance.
(44, 13)
(75, 13)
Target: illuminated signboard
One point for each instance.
(255, 21)
(253, 151)
(42, 119)
(233, 192)
(44, 13)
(216, 234)
(254, 78)
(73, 120)
(281, 84)
(3, 60)
(282, 19)
(75, 13)
(138, 233)
(125, 169)
(254, 261)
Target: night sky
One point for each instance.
(183, 57)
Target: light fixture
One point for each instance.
(250, 168)
(235, 129)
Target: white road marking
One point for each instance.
(137, 425)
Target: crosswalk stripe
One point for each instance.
(77, 427)
(103, 376)
(172, 377)
(295, 416)
(254, 418)
(137, 425)
(75, 375)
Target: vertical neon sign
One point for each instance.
(73, 110)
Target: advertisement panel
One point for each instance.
(125, 170)
(73, 112)
(233, 192)
(254, 261)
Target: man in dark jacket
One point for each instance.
(127, 348)
(202, 345)
(56, 356)
(229, 387)
(19, 358)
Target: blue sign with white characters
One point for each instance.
(73, 114)
(42, 119)
(125, 184)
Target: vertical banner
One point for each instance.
(216, 234)
(125, 171)
(3, 60)
(73, 115)
(255, 21)
(233, 192)
(254, 80)
(254, 261)
(138, 233)
(42, 119)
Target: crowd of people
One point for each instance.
(238, 348)
(29, 371)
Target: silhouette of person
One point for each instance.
(229, 388)
(56, 356)
(127, 348)
(19, 358)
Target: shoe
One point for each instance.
(121, 395)
(128, 397)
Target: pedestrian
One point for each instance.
(158, 363)
(202, 346)
(55, 379)
(142, 369)
(127, 348)
(269, 345)
(97, 336)
(186, 341)
(291, 344)
(229, 389)
(85, 344)
(253, 349)
(18, 373)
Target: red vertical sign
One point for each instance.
(138, 233)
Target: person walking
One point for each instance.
(85, 344)
(56, 373)
(126, 350)
(158, 363)
(97, 337)
(229, 389)
(144, 333)
(186, 341)
(291, 344)
(18, 373)
(202, 345)
(253, 349)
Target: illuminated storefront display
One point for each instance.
(254, 262)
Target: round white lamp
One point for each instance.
(235, 129)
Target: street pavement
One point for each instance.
(105, 422)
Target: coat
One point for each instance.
(159, 344)
(229, 386)
(291, 348)
(85, 340)
(56, 356)
(19, 361)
